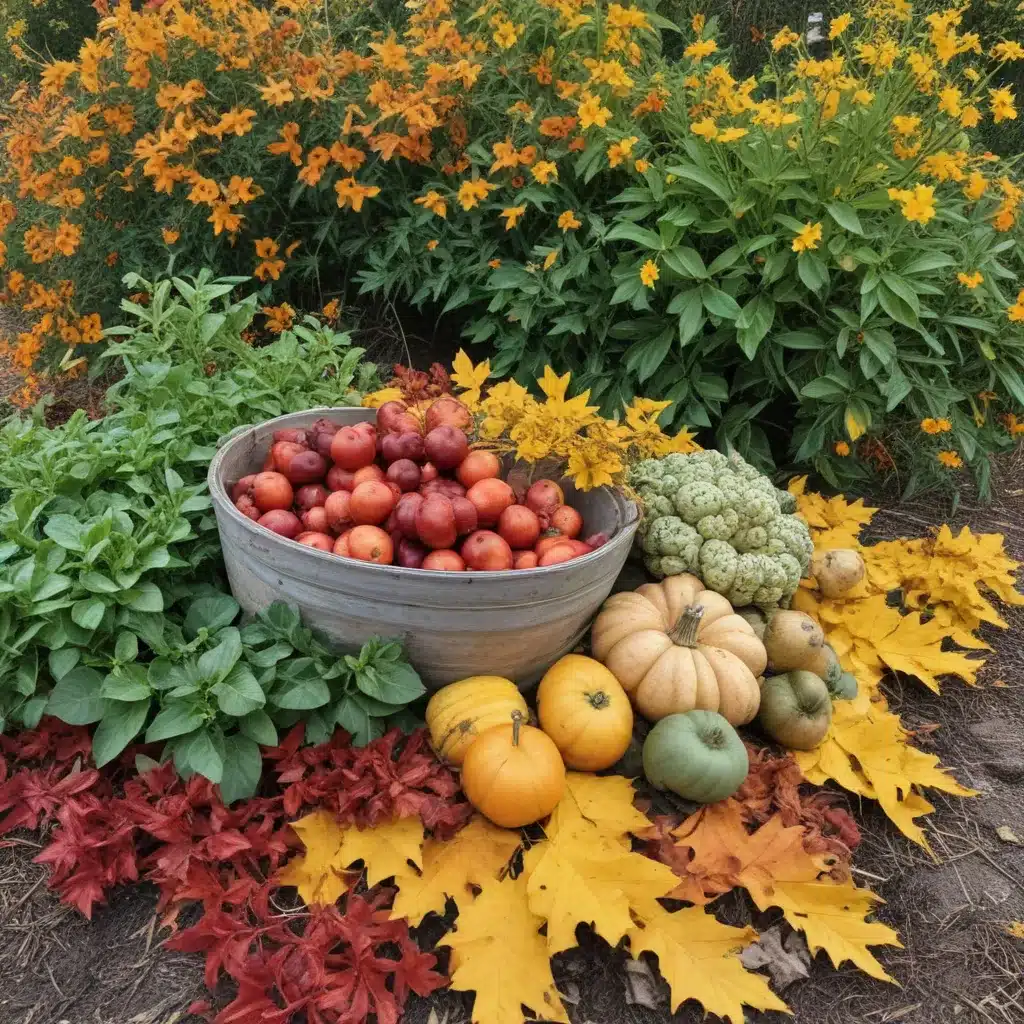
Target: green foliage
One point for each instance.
(109, 550)
(41, 30)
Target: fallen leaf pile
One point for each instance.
(943, 585)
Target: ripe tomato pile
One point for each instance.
(409, 491)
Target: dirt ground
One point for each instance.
(957, 966)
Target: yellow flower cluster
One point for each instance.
(595, 450)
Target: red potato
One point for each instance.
(371, 544)
(271, 491)
(320, 435)
(320, 541)
(295, 434)
(466, 517)
(547, 542)
(388, 414)
(446, 447)
(281, 522)
(567, 521)
(477, 466)
(405, 514)
(491, 498)
(339, 479)
(435, 522)
(579, 547)
(310, 495)
(341, 545)
(247, 507)
(444, 561)
(485, 551)
(556, 554)
(409, 554)
(244, 486)
(314, 519)
(338, 509)
(428, 472)
(366, 427)
(442, 485)
(596, 540)
(371, 503)
(282, 453)
(405, 473)
(524, 559)
(448, 411)
(367, 473)
(407, 445)
(353, 449)
(407, 424)
(543, 497)
(519, 526)
(306, 467)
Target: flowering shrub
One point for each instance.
(34, 31)
(825, 237)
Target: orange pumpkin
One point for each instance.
(513, 774)
(585, 710)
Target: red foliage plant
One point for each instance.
(333, 964)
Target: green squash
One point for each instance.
(796, 709)
(844, 687)
(697, 755)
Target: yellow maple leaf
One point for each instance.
(385, 849)
(773, 866)
(581, 877)
(1015, 929)
(606, 802)
(469, 378)
(498, 952)
(318, 873)
(695, 956)
(475, 855)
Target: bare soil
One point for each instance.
(958, 966)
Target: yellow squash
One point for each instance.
(459, 712)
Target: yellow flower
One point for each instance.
(17, 29)
(434, 202)
(649, 273)
(970, 281)
(1015, 313)
(549, 260)
(469, 378)
(567, 221)
(331, 310)
(970, 117)
(783, 38)
(277, 93)
(506, 34)
(512, 214)
(906, 125)
(706, 128)
(592, 466)
(697, 23)
(641, 166)
(839, 25)
(808, 238)
(432, 245)
(950, 459)
(618, 151)
(933, 426)
(591, 111)
(950, 101)
(841, 448)
(976, 186)
(863, 97)
(543, 171)
(731, 135)
(473, 192)
(1002, 105)
(1008, 51)
(701, 49)
(918, 205)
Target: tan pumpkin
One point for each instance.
(676, 647)
(792, 640)
(584, 709)
(458, 713)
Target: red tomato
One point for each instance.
(477, 466)
(566, 520)
(371, 502)
(320, 541)
(272, 491)
(491, 498)
(339, 510)
(524, 559)
(519, 526)
(367, 473)
(444, 561)
(545, 544)
(556, 554)
(486, 551)
(341, 545)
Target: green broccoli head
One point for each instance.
(671, 546)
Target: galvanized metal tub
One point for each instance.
(512, 624)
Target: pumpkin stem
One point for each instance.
(684, 632)
(517, 721)
(598, 699)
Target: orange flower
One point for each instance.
(290, 146)
(567, 221)
(351, 193)
(543, 171)
(472, 193)
(279, 318)
(277, 93)
(224, 219)
(512, 215)
(170, 236)
(434, 202)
